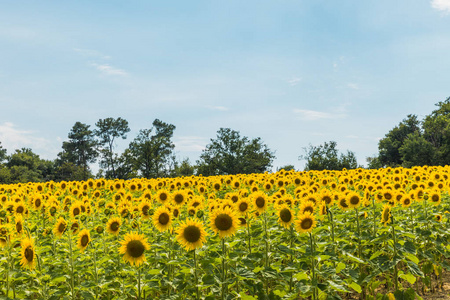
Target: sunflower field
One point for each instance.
(350, 234)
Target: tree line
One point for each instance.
(150, 154)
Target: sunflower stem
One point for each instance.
(266, 240)
(72, 284)
(224, 272)
(95, 271)
(249, 237)
(195, 275)
(291, 256)
(169, 267)
(395, 254)
(314, 283)
(374, 218)
(139, 282)
(330, 217)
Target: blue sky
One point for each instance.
(291, 72)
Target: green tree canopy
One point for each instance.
(326, 157)
(230, 153)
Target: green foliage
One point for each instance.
(326, 157)
(107, 131)
(230, 153)
(152, 150)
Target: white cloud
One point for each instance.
(312, 115)
(91, 53)
(221, 108)
(109, 70)
(353, 86)
(190, 143)
(13, 138)
(442, 5)
(294, 81)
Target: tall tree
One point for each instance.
(326, 157)
(81, 149)
(108, 130)
(230, 153)
(26, 166)
(152, 150)
(389, 146)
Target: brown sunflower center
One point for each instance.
(20, 209)
(135, 248)
(306, 223)
(163, 218)
(387, 196)
(327, 199)
(343, 203)
(29, 254)
(243, 206)
(84, 240)
(260, 202)
(145, 209)
(191, 233)
(435, 198)
(114, 226)
(308, 209)
(285, 215)
(179, 198)
(223, 222)
(76, 211)
(37, 203)
(163, 197)
(74, 227)
(354, 200)
(406, 201)
(61, 227)
(19, 227)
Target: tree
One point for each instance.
(80, 150)
(2, 153)
(231, 154)
(417, 151)
(286, 168)
(326, 157)
(26, 166)
(107, 131)
(184, 168)
(152, 150)
(389, 146)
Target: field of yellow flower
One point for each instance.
(372, 234)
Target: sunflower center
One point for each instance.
(163, 218)
(435, 198)
(74, 227)
(306, 223)
(19, 227)
(176, 212)
(76, 211)
(145, 209)
(61, 227)
(243, 206)
(387, 196)
(135, 248)
(114, 226)
(84, 240)
(20, 209)
(163, 197)
(37, 202)
(308, 209)
(343, 203)
(223, 222)
(179, 198)
(260, 202)
(354, 200)
(285, 215)
(191, 233)
(327, 199)
(407, 201)
(28, 253)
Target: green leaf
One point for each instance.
(354, 258)
(356, 287)
(412, 258)
(408, 277)
(337, 287)
(301, 276)
(376, 254)
(340, 266)
(153, 271)
(247, 297)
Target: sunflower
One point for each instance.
(162, 196)
(191, 234)
(305, 222)
(113, 225)
(307, 206)
(162, 219)
(178, 198)
(438, 217)
(386, 214)
(242, 206)
(60, 227)
(224, 221)
(84, 238)
(133, 246)
(406, 201)
(75, 209)
(259, 201)
(28, 254)
(353, 199)
(285, 216)
(342, 202)
(144, 209)
(4, 234)
(435, 197)
(19, 224)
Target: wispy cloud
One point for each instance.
(294, 81)
(91, 53)
(13, 138)
(353, 86)
(109, 70)
(313, 115)
(442, 5)
(220, 108)
(190, 143)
